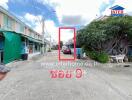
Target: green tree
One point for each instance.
(106, 35)
(61, 44)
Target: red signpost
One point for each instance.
(66, 28)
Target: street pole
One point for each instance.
(50, 42)
(43, 33)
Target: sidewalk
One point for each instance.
(31, 57)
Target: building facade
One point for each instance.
(15, 36)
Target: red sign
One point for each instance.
(116, 11)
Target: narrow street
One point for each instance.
(66, 56)
(31, 80)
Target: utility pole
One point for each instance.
(43, 33)
(50, 42)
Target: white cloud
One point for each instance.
(34, 21)
(66, 35)
(51, 29)
(107, 11)
(87, 9)
(33, 18)
(106, 1)
(49, 25)
(3, 3)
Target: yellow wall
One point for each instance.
(16, 27)
(1, 19)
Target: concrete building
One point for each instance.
(16, 38)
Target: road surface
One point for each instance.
(31, 80)
(66, 56)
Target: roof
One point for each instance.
(28, 37)
(117, 7)
(32, 39)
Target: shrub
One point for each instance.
(98, 56)
(93, 55)
(103, 57)
(130, 58)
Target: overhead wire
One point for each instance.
(35, 11)
(35, 7)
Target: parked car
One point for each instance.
(66, 50)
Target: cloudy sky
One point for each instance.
(58, 13)
(66, 34)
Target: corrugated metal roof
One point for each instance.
(28, 37)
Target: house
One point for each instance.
(15, 35)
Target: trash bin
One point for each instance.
(79, 53)
(24, 56)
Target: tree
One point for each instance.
(111, 34)
(61, 44)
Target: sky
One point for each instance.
(66, 34)
(60, 13)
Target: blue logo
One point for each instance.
(117, 11)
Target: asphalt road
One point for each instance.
(66, 56)
(32, 80)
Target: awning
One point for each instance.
(32, 39)
(28, 37)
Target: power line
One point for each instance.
(35, 9)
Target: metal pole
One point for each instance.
(50, 42)
(43, 24)
(43, 47)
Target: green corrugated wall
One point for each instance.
(12, 47)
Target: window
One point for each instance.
(17, 27)
(25, 30)
(31, 34)
(5, 21)
(21, 28)
(8, 22)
